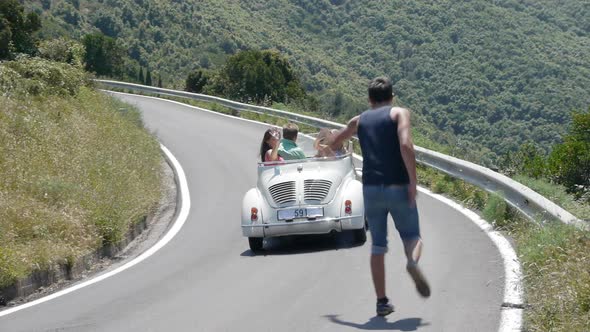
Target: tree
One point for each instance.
(196, 81)
(148, 77)
(108, 23)
(6, 45)
(529, 160)
(68, 13)
(104, 56)
(46, 4)
(159, 81)
(16, 29)
(260, 75)
(569, 163)
(75, 3)
(140, 77)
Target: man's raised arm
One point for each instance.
(345, 133)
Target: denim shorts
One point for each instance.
(383, 200)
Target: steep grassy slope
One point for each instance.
(77, 169)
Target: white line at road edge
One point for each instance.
(511, 317)
(185, 202)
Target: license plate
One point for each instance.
(290, 214)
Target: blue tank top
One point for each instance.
(382, 158)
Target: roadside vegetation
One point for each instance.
(77, 168)
(555, 257)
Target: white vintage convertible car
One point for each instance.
(308, 196)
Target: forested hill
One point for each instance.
(496, 72)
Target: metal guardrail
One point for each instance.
(517, 195)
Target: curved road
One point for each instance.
(206, 279)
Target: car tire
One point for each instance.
(256, 243)
(360, 235)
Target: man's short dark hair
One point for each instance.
(380, 90)
(290, 131)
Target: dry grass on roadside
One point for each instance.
(75, 172)
(555, 257)
(556, 262)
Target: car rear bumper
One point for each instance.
(317, 226)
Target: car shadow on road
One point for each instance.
(381, 323)
(304, 244)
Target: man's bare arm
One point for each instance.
(404, 133)
(345, 133)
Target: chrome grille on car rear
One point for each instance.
(316, 190)
(283, 192)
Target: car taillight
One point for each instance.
(254, 214)
(348, 207)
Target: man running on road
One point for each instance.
(389, 183)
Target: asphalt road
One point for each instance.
(206, 279)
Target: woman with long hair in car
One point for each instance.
(269, 148)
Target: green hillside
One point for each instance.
(497, 73)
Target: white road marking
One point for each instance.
(511, 318)
(185, 202)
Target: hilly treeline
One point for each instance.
(493, 73)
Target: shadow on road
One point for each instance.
(381, 323)
(303, 244)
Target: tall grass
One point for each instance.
(77, 168)
(556, 262)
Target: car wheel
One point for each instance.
(360, 235)
(255, 243)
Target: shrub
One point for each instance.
(196, 81)
(63, 50)
(495, 210)
(36, 76)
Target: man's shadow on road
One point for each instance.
(381, 323)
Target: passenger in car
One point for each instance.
(338, 149)
(325, 136)
(320, 143)
(269, 148)
(288, 149)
